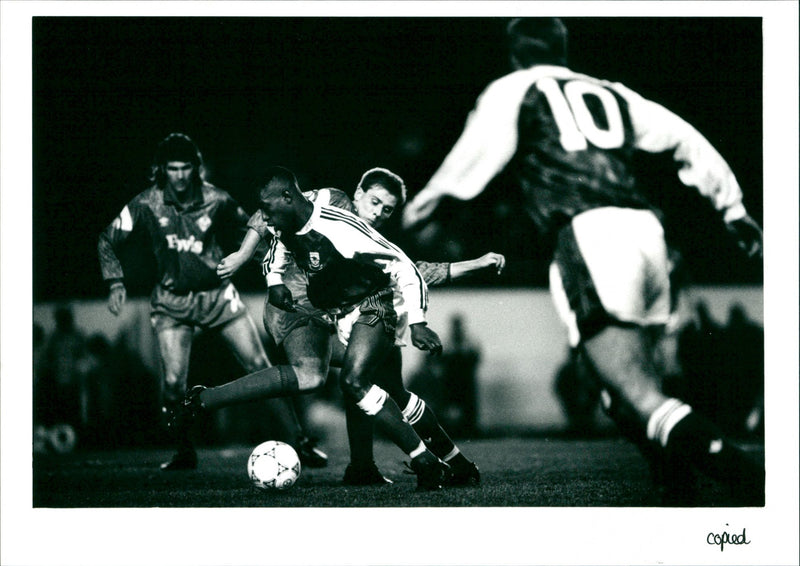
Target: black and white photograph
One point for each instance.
(359, 283)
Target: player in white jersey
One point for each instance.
(185, 218)
(304, 333)
(569, 139)
(354, 274)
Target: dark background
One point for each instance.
(332, 97)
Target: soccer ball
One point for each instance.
(273, 465)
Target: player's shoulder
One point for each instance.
(330, 196)
(151, 196)
(210, 190)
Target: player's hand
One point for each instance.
(425, 339)
(116, 298)
(280, 296)
(748, 236)
(230, 264)
(420, 208)
(498, 261)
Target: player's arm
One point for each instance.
(257, 230)
(700, 164)
(484, 148)
(442, 273)
(274, 266)
(108, 242)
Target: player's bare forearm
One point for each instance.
(232, 263)
(461, 268)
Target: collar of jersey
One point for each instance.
(314, 217)
(196, 197)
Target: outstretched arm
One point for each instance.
(230, 264)
(440, 273)
(461, 268)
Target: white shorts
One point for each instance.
(610, 266)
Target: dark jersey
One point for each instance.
(570, 139)
(185, 239)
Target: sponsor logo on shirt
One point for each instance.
(163, 221)
(204, 222)
(189, 244)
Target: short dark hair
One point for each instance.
(534, 41)
(277, 177)
(176, 147)
(386, 179)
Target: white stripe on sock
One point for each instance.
(373, 401)
(664, 419)
(418, 450)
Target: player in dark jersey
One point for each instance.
(184, 217)
(569, 139)
(369, 286)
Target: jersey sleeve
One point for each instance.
(434, 273)
(275, 262)
(657, 129)
(356, 240)
(236, 216)
(113, 237)
(487, 143)
(340, 199)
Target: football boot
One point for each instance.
(184, 414)
(463, 473)
(183, 459)
(364, 474)
(432, 473)
(310, 455)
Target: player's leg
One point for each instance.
(360, 435)
(607, 300)
(368, 345)
(175, 346)
(620, 356)
(422, 417)
(245, 342)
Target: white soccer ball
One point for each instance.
(273, 465)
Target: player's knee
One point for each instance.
(353, 386)
(312, 372)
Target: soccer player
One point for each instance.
(569, 138)
(184, 217)
(368, 284)
(304, 332)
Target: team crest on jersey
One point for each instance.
(313, 260)
(163, 221)
(204, 222)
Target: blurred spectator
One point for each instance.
(578, 391)
(61, 382)
(449, 383)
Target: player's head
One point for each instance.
(277, 194)
(378, 194)
(177, 163)
(536, 41)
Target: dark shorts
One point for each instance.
(203, 309)
(280, 323)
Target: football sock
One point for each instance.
(276, 381)
(681, 431)
(359, 435)
(389, 418)
(427, 426)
